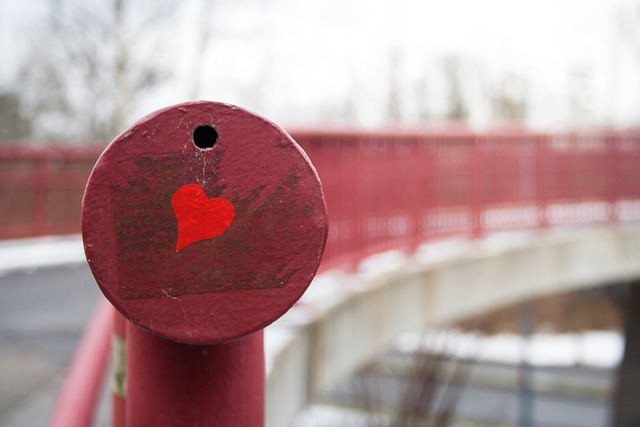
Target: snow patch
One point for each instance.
(33, 254)
(601, 349)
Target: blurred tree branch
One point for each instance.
(90, 66)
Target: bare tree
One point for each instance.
(457, 104)
(91, 64)
(204, 35)
(393, 99)
(422, 94)
(509, 98)
(428, 387)
(579, 96)
(14, 124)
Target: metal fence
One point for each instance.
(388, 190)
(41, 188)
(397, 190)
(384, 191)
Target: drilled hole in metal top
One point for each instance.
(205, 136)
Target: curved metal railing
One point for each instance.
(394, 190)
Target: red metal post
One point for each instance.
(202, 224)
(477, 187)
(41, 196)
(173, 384)
(542, 176)
(188, 303)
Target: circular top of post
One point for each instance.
(203, 222)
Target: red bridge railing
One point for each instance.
(396, 190)
(386, 191)
(41, 188)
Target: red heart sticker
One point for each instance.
(199, 218)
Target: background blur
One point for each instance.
(84, 70)
(75, 73)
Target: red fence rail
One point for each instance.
(384, 191)
(41, 189)
(388, 190)
(396, 190)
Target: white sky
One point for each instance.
(303, 62)
(310, 56)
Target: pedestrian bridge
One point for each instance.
(570, 203)
(346, 319)
(428, 229)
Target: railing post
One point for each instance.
(613, 166)
(41, 196)
(417, 165)
(542, 177)
(174, 384)
(202, 224)
(477, 187)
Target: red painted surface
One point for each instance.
(41, 188)
(172, 384)
(77, 400)
(199, 218)
(420, 175)
(217, 289)
(398, 189)
(201, 248)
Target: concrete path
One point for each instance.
(43, 312)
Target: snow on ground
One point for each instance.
(602, 349)
(591, 348)
(40, 252)
(318, 415)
